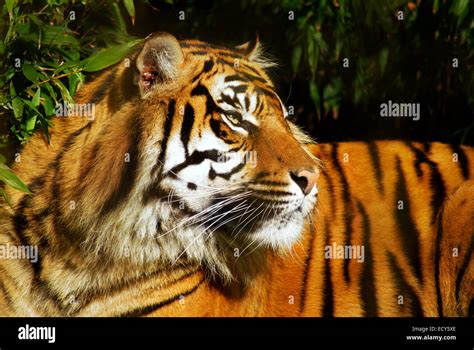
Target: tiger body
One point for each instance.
(113, 196)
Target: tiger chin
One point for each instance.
(190, 193)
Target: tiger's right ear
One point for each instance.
(159, 61)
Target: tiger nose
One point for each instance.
(305, 178)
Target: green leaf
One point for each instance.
(108, 57)
(17, 103)
(296, 58)
(30, 73)
(31, 105)
(8, 177)
(31, 123)
(48, 105)
(383, 60)
(460, 6)
(57, 35)
(314, 93)
(45, 128)
(6, 197)
(36, 97)
(73, 81)
(2, 159)
(51, 91)
(313, 51)
(130, 9)
(64, 91)
(118, 17)
(10, 4)
(35, 20)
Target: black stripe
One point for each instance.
(367, 279)
(143, 311)
(199, 53)
(260, 106)
(231, 101)
(234, 77)
(437, 257)
(408, 233)
(270, 183)
(439, 191)
(375, 159)
(208, 64)
(307, 263)
(166, 133)
(242, 88)
(41, 214)
(213, 174)
(403, 287)
(207, 46)
(328, 297)
(247, 103)
(462, 160)
(216, 127)
(19, 219)
(201, 90)
(101, 89)
(463, 268)
(197, 157)
(348, 207)
(273, 192)
(187, 126)
(436, 180)
(249, 76)
(229, 54)
(267, 92)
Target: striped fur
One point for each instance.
(115, 199)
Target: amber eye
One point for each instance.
(232, 119)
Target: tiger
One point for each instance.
(190, 192)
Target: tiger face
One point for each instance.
(219, 166)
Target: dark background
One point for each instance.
(418, 54)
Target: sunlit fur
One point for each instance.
(129, 221)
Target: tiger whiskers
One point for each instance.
(215, 219)
(212, 209)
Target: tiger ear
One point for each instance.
(251, 49)
(159, 61)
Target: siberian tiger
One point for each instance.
(190, 194)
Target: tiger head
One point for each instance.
(215, 168)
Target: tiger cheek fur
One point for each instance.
(189, 181)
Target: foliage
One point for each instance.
(46, 49)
